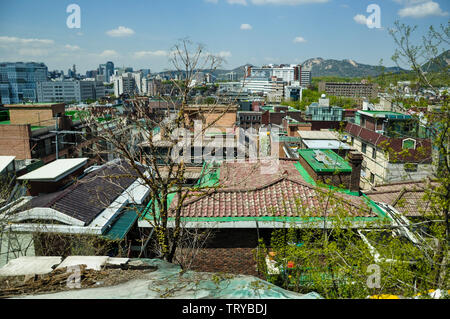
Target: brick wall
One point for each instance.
(230, 251)
(226, 120)
(318, 125)
(35, 115)
(327, 177)
(226, 260)
(15, 141)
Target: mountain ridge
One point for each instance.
(319, 67)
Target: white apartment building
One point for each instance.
(291, 74)
(257, 85)
(124, 83)
(69, 91)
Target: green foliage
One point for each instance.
(335, 262)
(312, 95)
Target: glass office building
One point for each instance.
(18, 81)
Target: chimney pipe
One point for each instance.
(355, 160)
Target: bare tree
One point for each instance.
(12, 245)
(161, 139)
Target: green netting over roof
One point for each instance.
(311, 181)
(334, 163)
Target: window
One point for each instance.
(409, 144)
(352, 141)
(363, 147)
(372, 178)
(374, 153)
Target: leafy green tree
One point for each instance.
(336, 261)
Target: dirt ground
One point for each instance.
(58, 280)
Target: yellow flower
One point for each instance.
(384, 296)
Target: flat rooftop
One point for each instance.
(32, 127)
(56, 170)
(317, 135)
(27, 105)
(325, 161)
(385, 114)
(326, 144)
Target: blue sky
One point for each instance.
(140, 33)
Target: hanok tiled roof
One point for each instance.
(248, 193)
(283, 197)
(87, 197)
(406, 197)
(247, 175)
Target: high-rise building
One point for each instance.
(124, 84)
(69, 91)
(105, 71)
(304, 77)
(145, 72)
(291, 74)
(18, 81)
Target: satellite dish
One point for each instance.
(323, 96)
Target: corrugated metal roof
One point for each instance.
(122, 225)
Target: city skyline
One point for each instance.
(140, 35)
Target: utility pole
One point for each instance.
(57, 118)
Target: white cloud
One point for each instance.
(241, 2)
(246, 26)
(299, 40)
(109, 54)
(287, 2)
(146, 54)
(72, 47)
(421, 9)
(271, 2)
(33, 52)
(25, 47)
(15, 40)
(224, 54)
(360, 18)
(121, 31)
